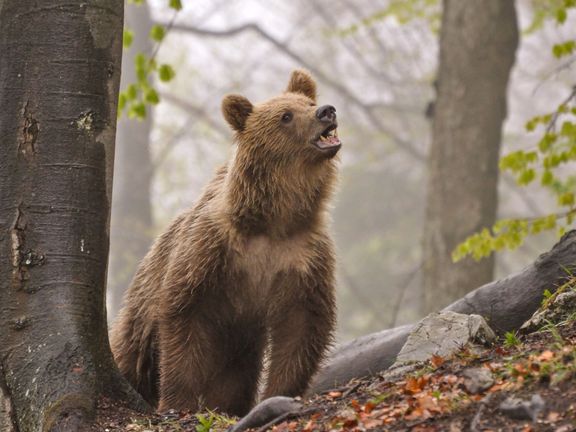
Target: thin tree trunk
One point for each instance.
(478, 42)
(59, 79)
(131, 229)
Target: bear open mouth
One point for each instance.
(328, 139)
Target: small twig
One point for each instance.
(402, 289)
(556, 114)
(282, 46)
(159, 44)
(474, 425)
(352, 389)
(286, 416)
(416, 423)
(556, 70)
(559, 215)
(366, 302)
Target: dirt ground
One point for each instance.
(436, 397)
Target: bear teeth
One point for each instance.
(331, 134)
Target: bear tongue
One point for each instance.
(330, 141)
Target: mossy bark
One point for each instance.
(59, 79)
(478, 42)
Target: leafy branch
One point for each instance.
(403, 11)
(141, 93)
(556, 149)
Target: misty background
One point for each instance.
(380, 76)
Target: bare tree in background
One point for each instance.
(131, 225)
(478, 43)
(59, 79)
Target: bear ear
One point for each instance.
(236, 110)
(302, 82)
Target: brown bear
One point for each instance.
(248, 270)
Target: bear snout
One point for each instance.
(326, 113)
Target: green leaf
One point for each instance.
(526, 176)
(157, 32)
(547, 178)
(564, 48)
(166, 73)
(175, 4)
(561, 16)
(122, 99)
(151, 96)
(131, 92)
(546, 142)
(557, 50)
(141, 66)
(127, 38)
(568, 129)
(550, 222)
(566, 199)
(531, 124)
(137, 110)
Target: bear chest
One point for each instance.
(260, 260)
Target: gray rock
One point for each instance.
(506, 304)
(476, 380)
(364, 356)
(399, 372)
(266, 411)
(519, 409)
(562, 307)
(443, 334)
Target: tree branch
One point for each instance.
(195, 112)
(403, 144)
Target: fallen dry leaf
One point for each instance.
(368, 407)
(545, 356)
(416, 384)
(371, 423)
(437, 361)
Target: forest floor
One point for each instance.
(538, 369)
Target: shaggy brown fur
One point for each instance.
(249, 267)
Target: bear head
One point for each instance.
(288, 127)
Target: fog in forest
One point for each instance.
(379, 71)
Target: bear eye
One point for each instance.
(287, 117)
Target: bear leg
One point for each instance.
(300, 342)
(210, 366)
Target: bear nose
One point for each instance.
(326, 113)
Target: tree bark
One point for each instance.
(478, 41)
(59, 79)
(131, 227)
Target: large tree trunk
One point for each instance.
(59, 79)
(131, 228)
(478, 42)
